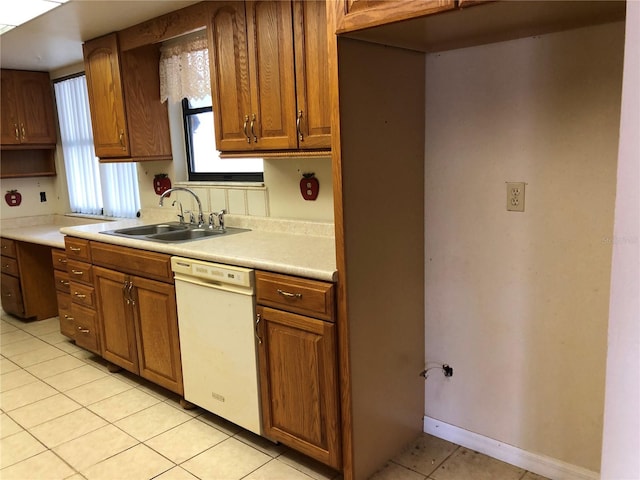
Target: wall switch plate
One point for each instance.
(515, 196)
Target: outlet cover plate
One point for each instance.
(515, 196)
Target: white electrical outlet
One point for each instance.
(515, 196)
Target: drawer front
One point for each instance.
(11, 295)
(147, 264)
(298, 295)
(77, 248)
(67, 323)
(8, 247)
(59, 258)
(86, 334)
(62, 281)
(10, 266)
(82, 294)
(80, 271)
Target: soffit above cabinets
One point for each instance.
(492, 22)
(54, 40)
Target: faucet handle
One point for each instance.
(211, 221)
(221, 219)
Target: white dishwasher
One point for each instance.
(216, 314)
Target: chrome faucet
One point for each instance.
(182, 189)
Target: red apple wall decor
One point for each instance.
(309, 186)
(161, 183)
(13, 198)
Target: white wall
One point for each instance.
(621, 437)
(517, 303)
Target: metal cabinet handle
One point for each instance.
(83, 330)
(7, 295)
(125, 291)
(24, 135)
(122, 140)
(130, 292)
(244, 128)
(79, 295)
(5, 266)
(289, 294)
(64, 282)
(62, 260)
(75, 249)
(67, 317)
(258, 317)
(298, 119)
(253, 122)
(15, 126)
(77, 272)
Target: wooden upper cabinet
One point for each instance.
(359, 14)
(129, 121)
(272, 122)
(229, 75)
(106, 98)
(312, 75)
(268, 94)
(27, 116)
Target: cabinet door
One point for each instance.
(104, 84)
(27, 109)
(298, 382)
(11, 295)
(312, 75)
(359, 14)
(9, 123)
(115, 318)
(156, 322)
(35, 104)
(273, 116)
(229, 75)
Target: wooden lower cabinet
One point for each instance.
(298, 380)
(139, 326)
(28, 284)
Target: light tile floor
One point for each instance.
(63, 415)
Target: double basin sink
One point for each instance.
(172, 232)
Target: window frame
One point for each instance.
(245, 177)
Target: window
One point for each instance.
(184, 76)
(203, 160)
(94, 188)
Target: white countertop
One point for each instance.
(305, 255)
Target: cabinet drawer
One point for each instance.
(299, 295)
(80, 271)
(59, 258)
(86, 334)
(82, 294)
(62, 281)
(8, 247)
(11, 295)
(67, 323)
(152, 265)
(77, 248)
(10, 266)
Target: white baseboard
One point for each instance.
(540, 464)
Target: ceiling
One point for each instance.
(53, 41)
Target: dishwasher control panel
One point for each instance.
(213, 272)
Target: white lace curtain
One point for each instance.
(184, 69)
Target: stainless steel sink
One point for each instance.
(172, 232)
(151, 229)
